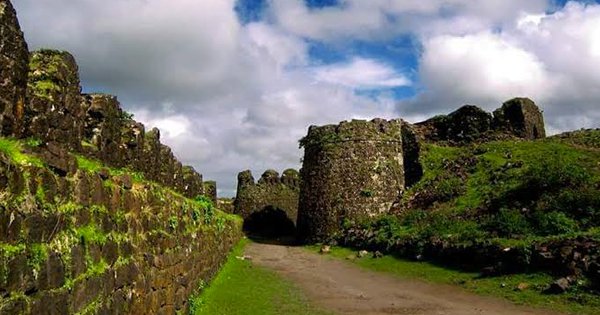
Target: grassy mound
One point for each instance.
(511, 206)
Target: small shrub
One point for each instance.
(173, 223)
(510, 222)
(90, 234)
(554, 223)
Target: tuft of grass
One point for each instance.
(14, 150)
(574, 302)
(241, 288)
(94, 166)
(88, 164)
(91, 234)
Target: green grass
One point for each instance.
(242, 288)
(14, 150)
(94, 166)
(502, 286)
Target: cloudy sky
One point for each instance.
(234, 84)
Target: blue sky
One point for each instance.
(233, 84)
(399, 52)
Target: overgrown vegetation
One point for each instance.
(92, 165)
(241, 288)
(502, 204)
(14, 150)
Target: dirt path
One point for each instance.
(344, 288)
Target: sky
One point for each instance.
(234, 84)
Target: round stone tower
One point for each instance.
(351, 171)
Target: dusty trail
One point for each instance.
(344, 288)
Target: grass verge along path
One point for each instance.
(532, 285)
(242, 288)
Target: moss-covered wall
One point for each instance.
(350, 171)
(95, 124)
(99, 241)
(94, 217)
(271, 190)
(13, 71)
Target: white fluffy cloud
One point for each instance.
(361, 73)
(376, 19)
(552, 58)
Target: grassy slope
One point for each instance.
(501, 286)
(241, 288)
(509, 193)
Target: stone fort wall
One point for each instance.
(94, 217)
(271, 190)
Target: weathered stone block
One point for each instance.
(14, 59)
(59, 159)
(53, 112)
(102, 128)
(210, 191)
(192, 182)
(52, 274)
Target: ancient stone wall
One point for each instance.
(89, 220)
(271, 191)
(210, 191)
(40, 97)
(13, 71)
(350, 171)
(100, 242)
(517, 118)
(96, 125)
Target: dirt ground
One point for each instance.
(344, 288)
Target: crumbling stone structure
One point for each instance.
(270, 203)
(351, 171)
(517, 118)
(88, 237)
(14, 60)
(210, 191)
(520, 117)
(359, 169)
(54, 111)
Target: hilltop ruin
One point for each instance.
(359, 169)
